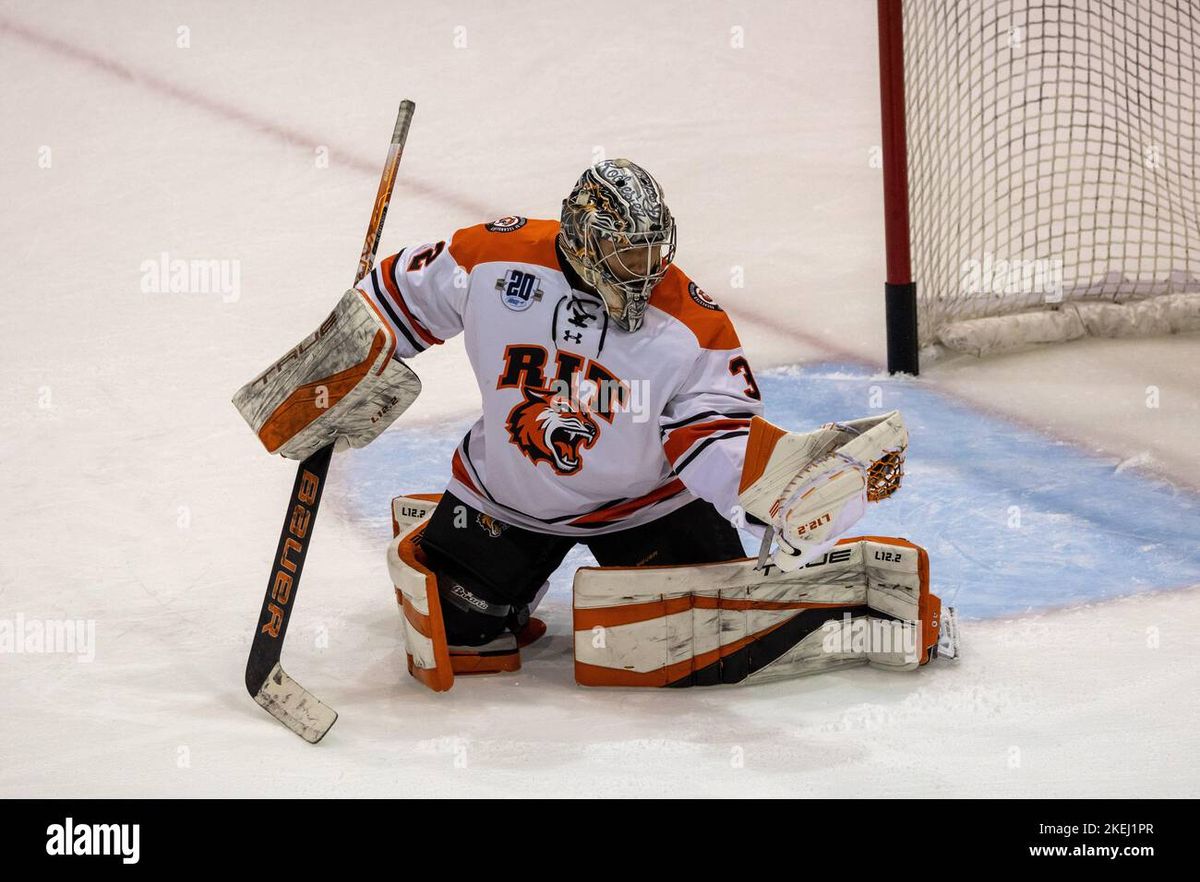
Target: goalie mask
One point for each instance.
(619, 236)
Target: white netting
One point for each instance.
(1052, 153)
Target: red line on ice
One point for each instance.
(216, 107)
(774, 323)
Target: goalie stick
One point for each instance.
(266, 680)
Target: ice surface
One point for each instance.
(137, 501)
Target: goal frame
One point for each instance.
(1065, 165)
(900, 291)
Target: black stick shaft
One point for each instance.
(301, 518)
(287, 566)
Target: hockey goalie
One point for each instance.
(620, 411)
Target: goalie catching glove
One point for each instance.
(340, 385)
(811, 487)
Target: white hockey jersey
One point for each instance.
(586, 429)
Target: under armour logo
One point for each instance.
(570, 337)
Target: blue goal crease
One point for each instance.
(1013, 521)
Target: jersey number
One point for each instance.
(425, 257)
(739, 365)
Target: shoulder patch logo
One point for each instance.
(505, 224)
(518, 290)
(703, 299)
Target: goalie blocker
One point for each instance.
(342, 384)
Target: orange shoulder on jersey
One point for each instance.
(532, 242)
(679, 296)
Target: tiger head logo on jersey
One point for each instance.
(547, 427)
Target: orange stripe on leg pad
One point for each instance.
(440, 677)
(632, 613)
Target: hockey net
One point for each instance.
(1052, 169)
